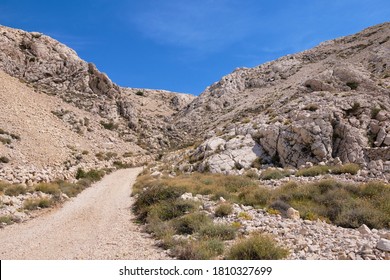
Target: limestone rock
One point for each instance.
(363, 229)
(292, 214)
(156, 174)
(384, 245)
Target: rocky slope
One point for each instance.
(83, 119)
(327, 104)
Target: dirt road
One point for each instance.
(97, 224)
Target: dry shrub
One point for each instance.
(257, 247)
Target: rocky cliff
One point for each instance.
(330, 103)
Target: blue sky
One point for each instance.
(183, 45)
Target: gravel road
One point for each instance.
(97, 224)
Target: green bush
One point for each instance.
(128, 154)
(219, 231)
(245, 216)
(5, 140)
(36, 203)
(257, 163)
(223, 210)
(252, 174)
(255, 196)
(4, 159)
(353, 86)
(72, 189)
(313, 171)
(168, 210)
(3, 185)
(374, 112)
(311, 107)
(191, 223)
(109, 125)
(49, 188)
(15, 190)
(153, 195)
(122, 165)
(199, 249)
(351, 168)
(93, 175)
(257, 247)
(6, 220)
(273, 174)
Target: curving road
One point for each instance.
(97, 224)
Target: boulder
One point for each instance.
(383, 245)
(292, 214)
(363, 229)
(156, 174)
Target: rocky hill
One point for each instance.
(59, 112)
(330, 104)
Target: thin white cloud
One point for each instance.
(201, 25)
(77, 43)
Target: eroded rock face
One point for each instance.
(56, 69)
(325, 103)
(223, 156)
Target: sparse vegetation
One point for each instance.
(60, 113)
(3, 186)
(223, 210)
(9, 137)
(92, 175)
(159, 204)
(198, 249)
(257, 163)
(49, 188)
(246, 120)
(217, 231)
(121, 165)
(128, 154)
(374, 112)
(348, 205)
(245, 216)
(140, 93)
(257, 247)
(105, 156)
(311, 107)
(14, 190)
(37, 203)
(252, 174)
(4, 159)
(274, 174)
(354, 111)
(5, 140)
(352, 85)
(109, 125)
(8, 220)
(191, 223)
(350, 168)
(313, 171)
